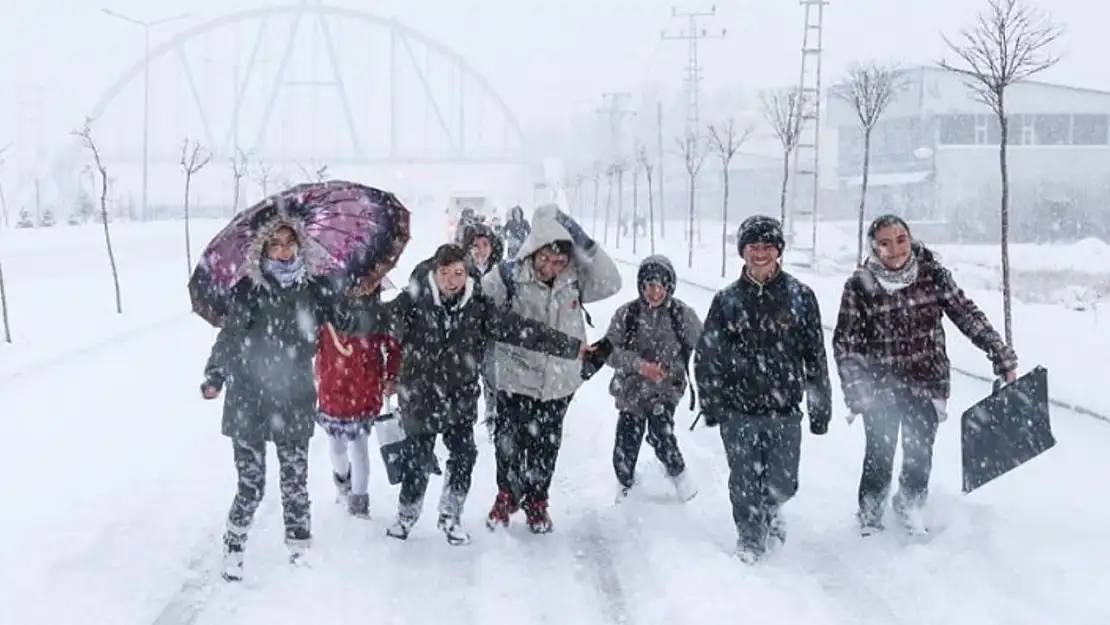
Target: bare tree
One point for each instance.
(3, 288)
(239, 165)
(86, 136)
(610, 176)
(317, 173)
(782, 108)
(1009, 43)
(263, 175)
(693, 157)
(3, 201)
(869, 89)
(726, 141)
(193, 158)
(649, 167)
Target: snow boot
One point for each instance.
(747, 553)
(776, 533)
(539, 521)
(233, 562)
(298, 550)
(406, 519)
(359, 506)
(622, 494)
(911, 520)
(453, 530)
(684, 486)
(342, 485)
(503, 507)
(869, 524)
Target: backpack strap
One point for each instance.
(678, 324)
(507, 270)
(631, 318)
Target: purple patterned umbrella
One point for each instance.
(352, 231)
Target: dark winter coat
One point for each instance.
(652, 339)
(496, 255)
(761, 351)
(264, 352)
(444, 344)
(886, 338)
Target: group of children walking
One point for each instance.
(471, 324)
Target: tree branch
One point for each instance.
(870, 89)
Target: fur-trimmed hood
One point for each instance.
(312, 253)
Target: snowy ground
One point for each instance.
(1070, 343)
(121, 481)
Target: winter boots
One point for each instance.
(448, 522)
(342, 484)
(684, 487)
(233, 562)
(505, 506)
(358, 506)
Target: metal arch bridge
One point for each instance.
(413, 101)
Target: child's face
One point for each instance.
(481, 250)
(283, 245)
(451, 279)
(655, 293)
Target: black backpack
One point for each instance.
(632, 319)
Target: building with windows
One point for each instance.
(935, 158)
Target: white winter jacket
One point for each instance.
(591, 277)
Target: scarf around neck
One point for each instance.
(893, 279)
(285, 272)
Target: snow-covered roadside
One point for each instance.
(60, 294)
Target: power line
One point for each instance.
(692, 35)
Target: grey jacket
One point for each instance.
(591, 277)
(653, 340)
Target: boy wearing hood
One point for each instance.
(652, 339)
(761, 354)
(444, 324)
(557, 270)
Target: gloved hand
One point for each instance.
(210, 390)
(578, 236)
(818, 427)
(709, 419)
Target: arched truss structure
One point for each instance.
(396, 110)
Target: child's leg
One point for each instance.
(360, 464)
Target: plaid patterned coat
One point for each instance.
(885, 339)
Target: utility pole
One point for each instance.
(659, 170)
(615, 112)
(692, 35)
(146, 25)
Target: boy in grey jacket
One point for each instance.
(652, 339)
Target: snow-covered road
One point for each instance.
(116, 482)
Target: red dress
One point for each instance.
(350, 374)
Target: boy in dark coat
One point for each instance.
(263, 355)
(444, 324)
(762, 352)
(653, 339)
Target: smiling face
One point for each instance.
(893, 246)
(548, 264)
(655, 294)
(283, 245)
(481, 250)
(451, 279)
(761, 259)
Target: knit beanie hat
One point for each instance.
(760, 229)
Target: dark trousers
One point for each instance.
(917, 419)
(462, 454)
(528, 434)
(763, 454)
(250, 463)
(658, 423)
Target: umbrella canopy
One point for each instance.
(347, 231)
